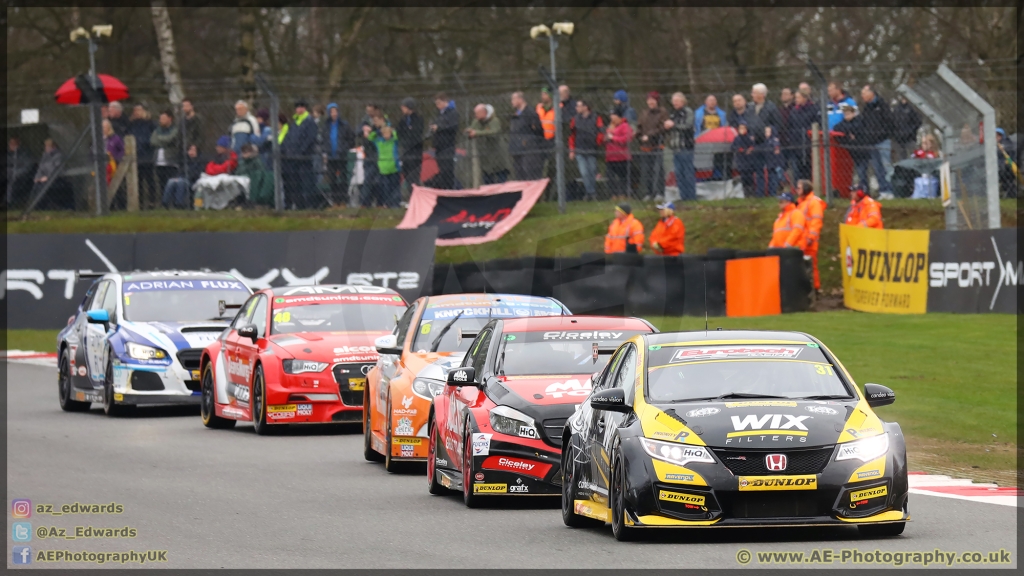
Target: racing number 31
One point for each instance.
(824, 369)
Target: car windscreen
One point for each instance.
(468, 318)
(540, 353)
(689, 373)
(334, 318)
(180, 300)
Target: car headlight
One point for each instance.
(680, 454)
(140, 352)
(426, 388)
(510, 421)
(302, 366)
(865, 449)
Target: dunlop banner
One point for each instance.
(885, 270)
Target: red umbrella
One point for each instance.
(723, 135)
(76, 90)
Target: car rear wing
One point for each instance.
(466, 334)
(88, 274)
(598, 350)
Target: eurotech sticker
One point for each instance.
(763, 483)
(681, 498)
(728, 352)
(490, 488)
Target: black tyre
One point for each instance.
(433, 486)
(569, 479)
(110, 405)
(207, 407)
(258, 403)
(64, 390)
(882, 530)
(621, 532)
(390, 464)
(471, 499)
(369, 453)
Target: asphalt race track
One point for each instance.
(307, 499)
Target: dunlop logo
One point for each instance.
(890, 266)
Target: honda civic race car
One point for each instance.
(296, 355)
(136, 338)
(430, 338)
(497, 427)
(732, 429)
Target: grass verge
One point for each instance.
(742, 224)
(955, 377)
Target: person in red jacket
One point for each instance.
(669, 233)
(616, 153)
(226, 161)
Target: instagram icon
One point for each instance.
(21, 508)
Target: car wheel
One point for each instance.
(433, 486)
(110, 406)
(369, 453)
(569, 479)
(64, 386)
(880, 530)
(207, 408)
(621, 532)
(258, 404)
(390, 464)
(471, 499)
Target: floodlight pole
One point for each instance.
(96, 121)
(559, 145)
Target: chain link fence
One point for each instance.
(343, 168)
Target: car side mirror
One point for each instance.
(462, 376)
(612, 400)
(98, 317)
(387, 345)
(249, 331)
(879, 395)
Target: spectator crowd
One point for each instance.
(618, 153)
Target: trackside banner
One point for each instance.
(472, 216)
(39, 290)
(884, 270)
(974, 271)
(916, 271)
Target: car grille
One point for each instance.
(751, 462)
(190, 358)
(775, 505)
(553, 430)
(343, 375)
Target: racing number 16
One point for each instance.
(823, 369)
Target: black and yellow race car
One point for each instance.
(732, 428)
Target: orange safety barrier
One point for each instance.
(752, 287)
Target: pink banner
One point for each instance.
(472, 216)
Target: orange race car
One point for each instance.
(430, 338)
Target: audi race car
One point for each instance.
(497, 427)
(136, 338)
(430, 338)
(296, 355)
(732, 429)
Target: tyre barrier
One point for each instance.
(639, 284)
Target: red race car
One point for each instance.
(496, 429)
(296, 355)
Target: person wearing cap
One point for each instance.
(789, 230)
(296, 157)
(621, 100)
(625, 233)
(616, 153)
(410, 144)
(813, 209)
(669, 233)
(650, 135)
(226, 160)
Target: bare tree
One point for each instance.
(168, 55)
(247, 48)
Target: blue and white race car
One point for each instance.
(137, 338)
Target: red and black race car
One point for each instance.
(497, 427)
(296, 355)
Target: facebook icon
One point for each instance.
(22, 555)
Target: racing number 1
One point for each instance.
(824, 369)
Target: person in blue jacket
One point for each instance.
(621, 100)
(709, 116)
(837, 98)
(338, 139)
